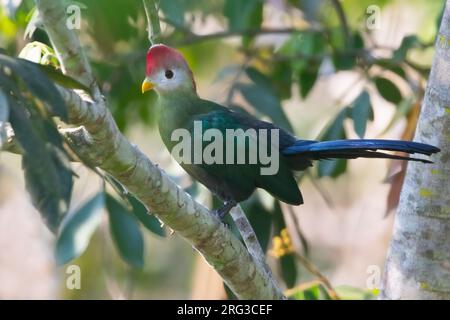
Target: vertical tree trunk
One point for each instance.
(418, 261)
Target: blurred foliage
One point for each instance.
(317, 41)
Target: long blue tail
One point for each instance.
(356, 148)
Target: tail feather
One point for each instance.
(355, 148)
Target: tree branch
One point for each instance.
(153, 25)
(111, 151)
(194, 38)
(343, 20)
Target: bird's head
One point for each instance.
(167, 71)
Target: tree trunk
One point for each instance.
(418, 261)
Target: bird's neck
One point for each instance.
(175, 111)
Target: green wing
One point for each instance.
(242, 179)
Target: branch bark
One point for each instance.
(418, 261)
(108, 149)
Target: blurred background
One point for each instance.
(321, 69)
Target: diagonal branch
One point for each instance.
(154, 29)
(108, 149)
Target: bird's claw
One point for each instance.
(222, 211)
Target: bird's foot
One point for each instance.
(222, 211)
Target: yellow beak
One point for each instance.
(147, 85)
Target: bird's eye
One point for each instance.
(169, 74)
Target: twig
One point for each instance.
(154, 28)
(302, 287)
(299, 232)
(314, 271)
(235, 80)
(343, 19)
(250, 239)
(323, 193)
(237, 33)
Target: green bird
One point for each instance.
(181, 108)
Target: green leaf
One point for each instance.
(332, 168)
(325, 295)
(260, 219)
(287, 263)
(39, 53)
(308, 77)
(174, 10)
(358, 41)
(226, 72)
(388, 90)
(229, 293)
(361, 112)
(391, 65)
(77, 230)
(109, 21)
(306, 45)
(408, 43)
(353, 293)
(335, 131)
(62, 79)
(288, 270)
(279, 82)
(401, 111)
(48, 176)
(258, 78)
(33, 22)
(265, 101)
(147, 219)
(312, 292)
(344, 60)
(281, 76)
(38, 83)
(125, 232)
(243, 15)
